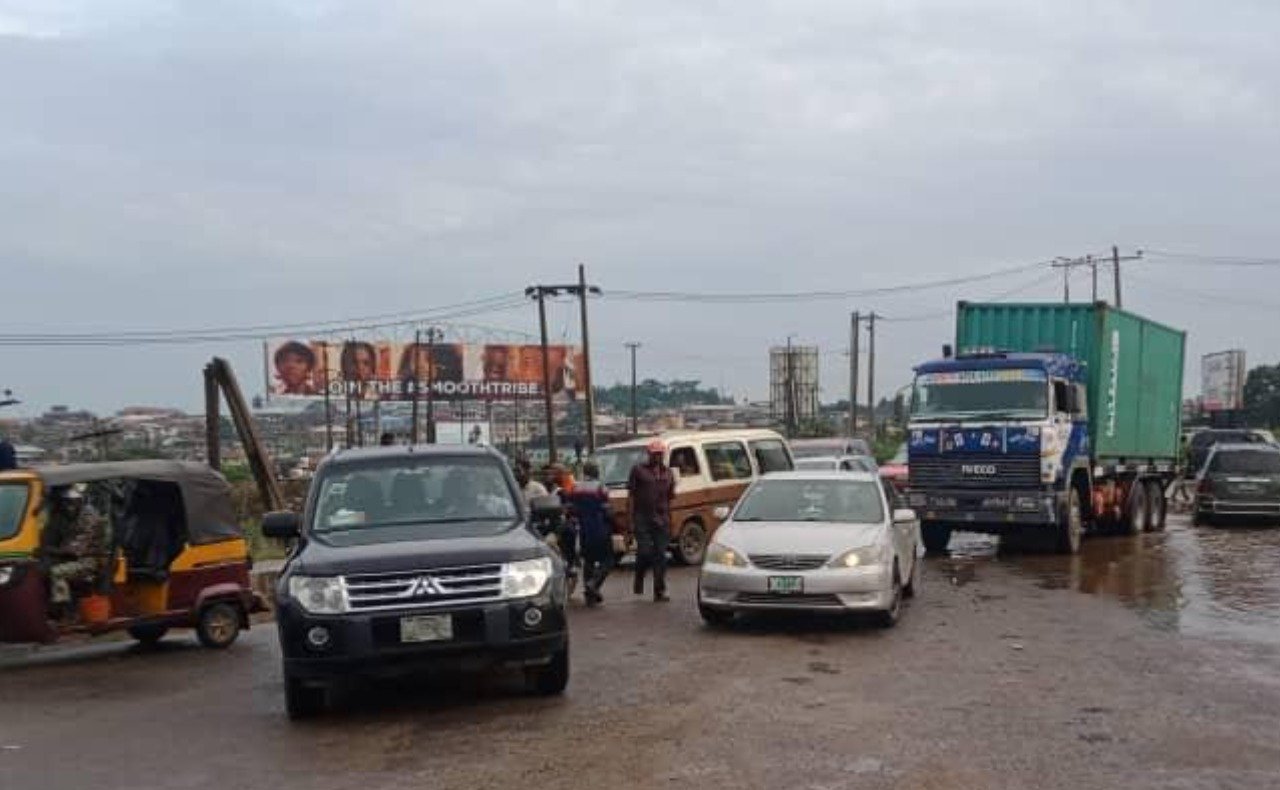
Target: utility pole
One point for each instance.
(855, 328)
(417, 385)
(432, 334)
(590, 401)
(212, 422)
(635, 417)
(1065, 265)
(871, 371)
(328, 399)
(1115, 264)
(540, 294)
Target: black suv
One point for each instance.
(410, 560)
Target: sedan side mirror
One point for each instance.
(281, 525)
(904, 515)
(721, 513)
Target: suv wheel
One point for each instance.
(691, 546)
(550, 680)
(302, 701)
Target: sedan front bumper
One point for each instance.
(826, 589)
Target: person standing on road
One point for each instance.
(589, 501)
(651, 488)
(530, 489)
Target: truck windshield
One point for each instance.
(993, 394)
(13, 503)
(616, 465)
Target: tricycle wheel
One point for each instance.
(219, 625)
(302, 701)
(148, 635)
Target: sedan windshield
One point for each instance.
(1246, 462)
(415, 491)
(616, 465)
(841, 501)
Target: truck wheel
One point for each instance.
(1136, 513)
(691, 546)
(935, 538)
(302, 701)
(1070, 526)
(1157, 507)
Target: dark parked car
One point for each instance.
(1238, 481)
(1204, 441)
(411, 560)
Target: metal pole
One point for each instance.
(1115, 262)
(328, 399)
(212, 422)
(431, 385)
(1094, 266)
(1066, 284)
(417, 384)
(635, 418)
(546, 377)
(871, 371)
(790, 405)
(590, 401)
(853, 374)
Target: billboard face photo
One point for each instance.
(372, 370)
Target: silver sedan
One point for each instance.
(822, 541)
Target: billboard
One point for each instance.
(388, 371)
(793, 383)
(1222, 381)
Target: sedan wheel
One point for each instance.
(888, 618)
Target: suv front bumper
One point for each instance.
(369, 643)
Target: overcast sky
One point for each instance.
(207, 164)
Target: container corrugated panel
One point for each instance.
(1134, 367)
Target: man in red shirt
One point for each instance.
(651, 488)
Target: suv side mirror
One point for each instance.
(904, 515)
(281, 525)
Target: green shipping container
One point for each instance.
(1134, 367)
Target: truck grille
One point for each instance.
(789, 562)
(974, 471)
(425, 589)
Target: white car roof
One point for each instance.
(822, 474)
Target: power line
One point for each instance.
(809, 296)
(1196, 259)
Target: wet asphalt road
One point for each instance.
(1149, 662)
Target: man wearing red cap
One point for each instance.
(651, 487)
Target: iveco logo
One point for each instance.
(424, 586)
(986, 470)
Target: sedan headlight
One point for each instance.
(319, 594)
(526, 578)
(719, 554)
(859, 558)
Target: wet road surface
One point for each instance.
(1002, 674)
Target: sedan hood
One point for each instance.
(806, 537)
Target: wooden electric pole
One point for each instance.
(540, 294)
(871, 371)
(635, 417)
(855, 328)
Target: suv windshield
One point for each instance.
(616, 465)
(1246, 462)
(13, 503)
(996, 394)
(844, 501)
(422, 491)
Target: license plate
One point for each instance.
(787, 585)
(1249, 488)
(426, 628)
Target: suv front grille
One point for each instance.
(424, 589)
(789, 562)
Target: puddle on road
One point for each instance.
(1197, 580)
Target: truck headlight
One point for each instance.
(526, 578)
(319, 594)
(859, 558)
(720, 554)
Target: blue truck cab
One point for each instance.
(995, 441)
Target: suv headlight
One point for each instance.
(720, 554)
(319, 594)
(859, 558)
(7, 574)
(526, 578)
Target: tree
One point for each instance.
(653, 394)
(1262, 395)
